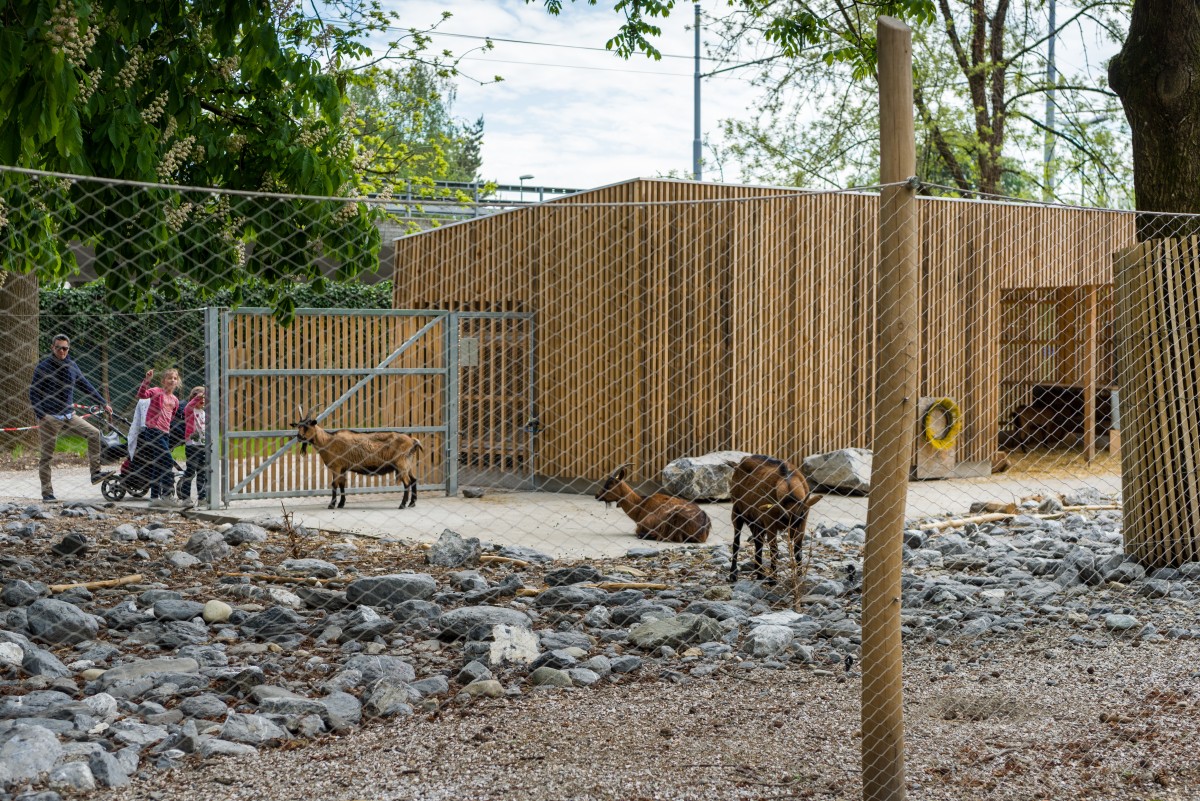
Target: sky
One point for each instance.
(576, 118)
(574, 115)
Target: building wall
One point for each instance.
(675, 318)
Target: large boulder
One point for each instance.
(701, 477)
(847, 470)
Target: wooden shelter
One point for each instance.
(674, 318)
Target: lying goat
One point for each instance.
(658, 517)
(1039, 425)
(376, 454)
(769, 496)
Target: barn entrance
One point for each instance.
(1058, 368)
(460, 382)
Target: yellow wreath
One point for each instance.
(947, 437)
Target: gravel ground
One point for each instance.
(1038, 721)
(1058, 709)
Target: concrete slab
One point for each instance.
(564, 526)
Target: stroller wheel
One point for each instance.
(112, 488)
(139, 491)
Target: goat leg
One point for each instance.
(412, 486)
(737, 543)
(333, 500)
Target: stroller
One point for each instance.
(135, 475)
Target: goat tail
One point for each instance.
(417, 449)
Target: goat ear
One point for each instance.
(812, 499)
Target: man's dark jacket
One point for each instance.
(53, 388)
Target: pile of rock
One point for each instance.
(97, 687)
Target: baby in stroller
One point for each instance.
(135, 474)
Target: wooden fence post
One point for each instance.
(895, 406)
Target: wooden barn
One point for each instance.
(672, 318)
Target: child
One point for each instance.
(156, 437)
(197, 454)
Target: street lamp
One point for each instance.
(523, 179)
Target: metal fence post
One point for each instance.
(452, 433)
(214, 419)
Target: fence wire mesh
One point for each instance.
(629, 434)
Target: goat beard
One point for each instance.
(304, 446)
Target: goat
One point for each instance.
(657, 517)
(373, 454)
(768, 496)
(1039, 425)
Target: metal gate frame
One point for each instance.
(218, 373)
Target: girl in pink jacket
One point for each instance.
(156, 436)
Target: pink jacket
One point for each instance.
(162, 407)
(189, 416)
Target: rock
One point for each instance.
(564, 576)
(375, 667)
(243, 533)
(458, 623)
(390, 696)
(253, 730)
(206, 706)
(11, 654)
(473, 492)
(846, 470)
(177, 610)
(133, 732)
(766, 641)
(525, 554)
(451, 550)
(626, 664)
(215, 611)
(570, 598)
(342, 711)
(1051, 505)
(73, 544)
(677, 632)
(107, 770)
(1126, 573)
(275, 622)
(75, 776)
(20, 593)
(28, 753)
(60, 623)
(314, 568)
(473, 671)
(391, 590)
(208, 546)
(216, 747)
(550, 677)
(434, 685)
(701, 477)
(487, 688)
(502, 644)
(183, 560)
(583, 677)
(148, 667)
(39, 662)
(1115, 622)
(125, 532)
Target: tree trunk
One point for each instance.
(19, 330)
(1157, 77)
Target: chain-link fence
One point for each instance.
(630, 434)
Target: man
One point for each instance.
(52, 395)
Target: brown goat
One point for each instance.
(769, 496)
(657, 517)
(369, 454)
(1039, 425)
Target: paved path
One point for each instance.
(567, 526)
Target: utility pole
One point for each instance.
(696, 102)
(1048, 142)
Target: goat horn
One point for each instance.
(300, 409)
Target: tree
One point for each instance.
(406, 133)
(243, 95)
(1155, 76)
(979, 69)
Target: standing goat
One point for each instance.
(769, 496)
(373, 454)
(658, 517)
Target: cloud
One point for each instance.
(575, 117)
